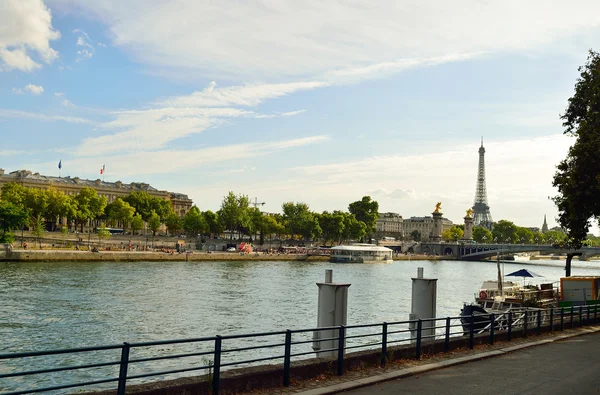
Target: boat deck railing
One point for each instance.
(118, 366)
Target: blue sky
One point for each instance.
(319, 102)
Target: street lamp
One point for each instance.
(522, 240)
(495, 240)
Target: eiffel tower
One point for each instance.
(481, 209)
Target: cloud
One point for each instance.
(59, 94)
(18, 114)
(85, 48)
(11, 152)
(174, 161)
(177, 117)
(26, 31)
(304, 39)
(30, 88)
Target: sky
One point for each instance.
(303, 101)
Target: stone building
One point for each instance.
(112, 190)
(389, 225)
(424, 225)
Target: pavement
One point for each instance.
(558, 363)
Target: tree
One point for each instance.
(137, 223)
(59, 205)
(173, 223)
(353, 228)
(36, 202)
(415, 235)
(272, 226)
(119, 211)
(212, 220)
(38, 229)
(11, 217)
(367, 211)
(332, 225)
(482, 235)
(524, 235)
(577, 175)
(89, 205)
(154, 223)
(455, 233)
(504, 231)
(234, 212)
(194, 223)
(13, 193)
(102, 235)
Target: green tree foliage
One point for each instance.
(59, 205)
(119, 211)
(415, 235)
(13, 193)
(234, 213)
(12, 217)
(89, 205)
(194, 223)
(137, 223)
(154, 223)
(353, 228)
(173, 223)
(577, 177)
(272, 226)
(367, 211)
(38, 229)
(482, 235)
(215, 227)
(36, 201)
(455, 233)
(555, 237)
(102, 234)
(144, 204)
(299, 220)
(332, 225)
(525, 236)
(504, 232)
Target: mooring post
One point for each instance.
(423, 305)
(332, 311)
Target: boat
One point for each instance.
(501, 297)
(361, 253)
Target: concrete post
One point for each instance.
(423, 304)
(332, 311)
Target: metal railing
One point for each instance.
(107, 367)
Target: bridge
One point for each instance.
(479, 251)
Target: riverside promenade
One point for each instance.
(56, 255)
(563, 362)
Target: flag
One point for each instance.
(60, 164)
(102, 170)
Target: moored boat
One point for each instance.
(361, 253)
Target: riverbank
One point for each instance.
(21, 255)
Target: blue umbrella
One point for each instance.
(524, 273)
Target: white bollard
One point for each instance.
(423, 305)
(332, 311)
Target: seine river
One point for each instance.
(66, 305)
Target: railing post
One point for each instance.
(419, 330)
(384, 344)
(580, 315)
(341, 342)
(492, 325)
(562, 318)
(595, 314)
(525, 323)
(539, 322)
(217, 366)
(572, 317)
(447, 337)
(287, 359)
(551, 319)
(123, 369)
(472, 332)
(587, 315)
(510, 319)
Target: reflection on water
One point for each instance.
(65, 305)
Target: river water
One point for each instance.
(74, 304)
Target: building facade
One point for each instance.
(389, 225)
(111, 190)
(424, 225)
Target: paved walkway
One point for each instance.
(566, 362)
